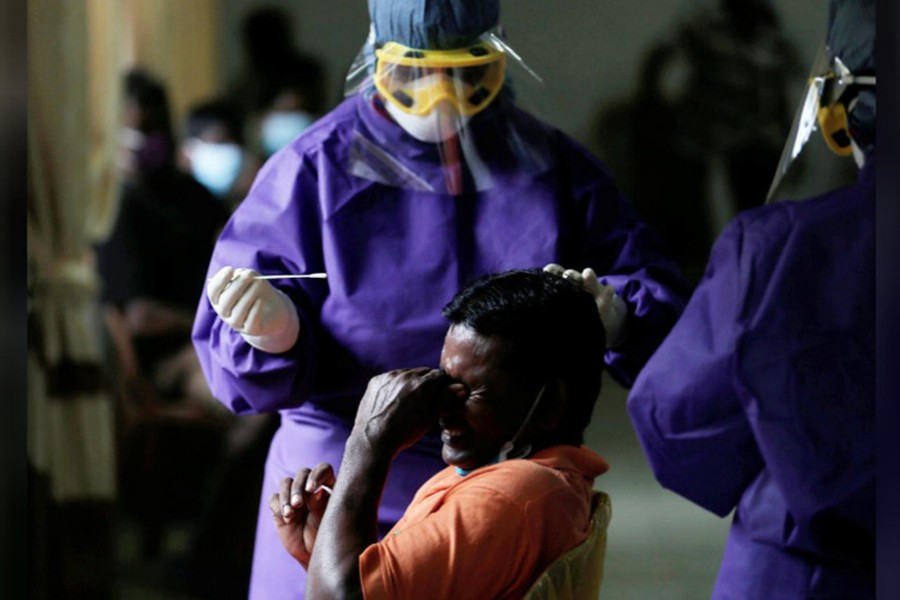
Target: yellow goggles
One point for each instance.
(835, 128)
(832, 113)
(825, 104)
(416, 81)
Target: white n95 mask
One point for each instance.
(439, 125)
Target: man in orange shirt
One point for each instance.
(520, 372)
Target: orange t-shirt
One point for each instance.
(489, 534)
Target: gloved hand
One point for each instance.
(262, 314)
(613, 310)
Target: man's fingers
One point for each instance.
(294, 494)
(275, 506)
(323, 474)
(284, 497)
(431, 385)
(320, 478)
(439, 376)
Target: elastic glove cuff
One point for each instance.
(283, 339)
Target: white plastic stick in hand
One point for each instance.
(315, 491)
(304, 276)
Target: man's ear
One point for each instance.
(552, 407)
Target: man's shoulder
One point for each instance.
(518, 483)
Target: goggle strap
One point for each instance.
(867, 80)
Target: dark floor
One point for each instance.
(141, 579)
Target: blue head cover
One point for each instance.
(851, 33)
(432, 24)
(851, 37)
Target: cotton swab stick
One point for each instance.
(303, 276)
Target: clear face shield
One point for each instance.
(445, 101)
(826, 102)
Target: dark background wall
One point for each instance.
(587, 51)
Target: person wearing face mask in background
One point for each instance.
(762, 399)
(283, 118)
(281, 89)
(152, 266)
(214, 153)
(153, 263)
(427, 176)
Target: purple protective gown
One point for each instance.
(763, 398)
(394, 257)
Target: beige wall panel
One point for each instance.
(177, 41)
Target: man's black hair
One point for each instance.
(554, 326)
(149, 94)
(216, 112)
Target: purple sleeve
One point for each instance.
(686, 406)
(627, 254)
(276, 229)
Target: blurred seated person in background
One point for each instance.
(520, 373)
(153, 265)
(282, 117)
(272, 65)
(214, 153)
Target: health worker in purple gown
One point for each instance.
(762, 399)
(424, 178)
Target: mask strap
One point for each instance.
(508, 446)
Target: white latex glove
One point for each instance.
(613, 310)
(262, 314)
